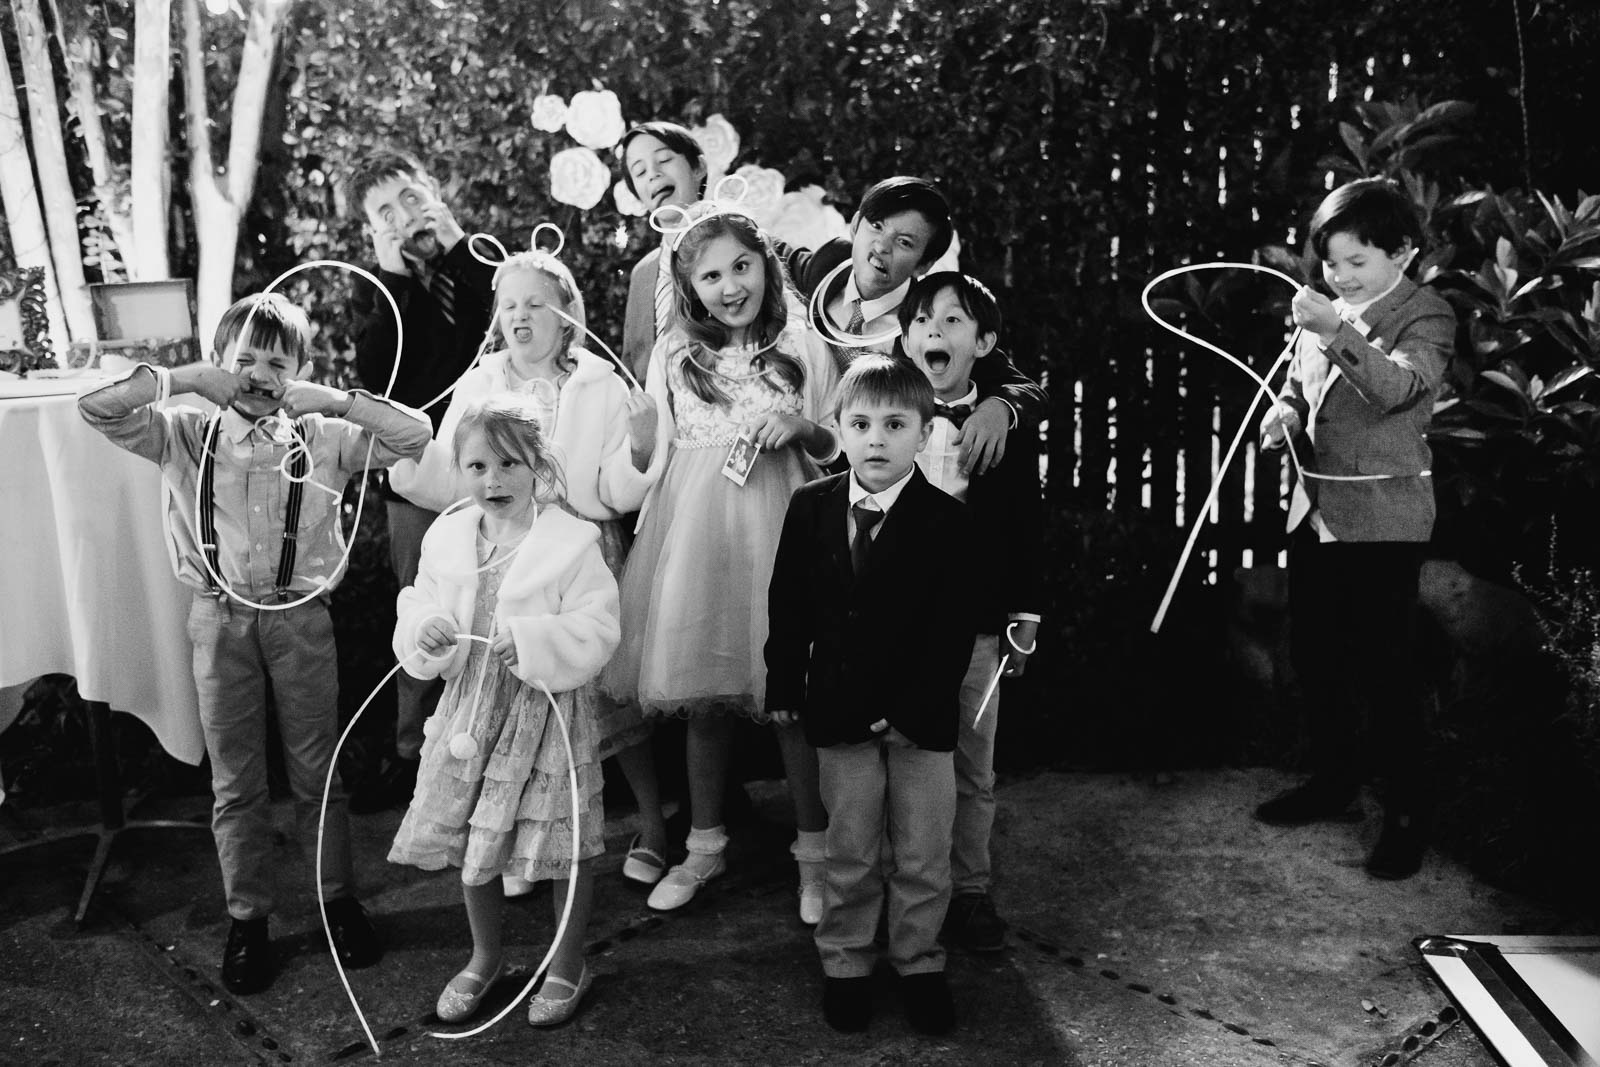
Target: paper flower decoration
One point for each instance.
(720, 142)
(578, 177)
(804, 221)
(627, 203)
(594, 118)
(549, 113)
(762, 192)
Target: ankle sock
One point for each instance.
(705, 848)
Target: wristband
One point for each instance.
(1018, 649)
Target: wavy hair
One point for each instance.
(706, 334)
(511, 425)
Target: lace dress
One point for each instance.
(508, 808)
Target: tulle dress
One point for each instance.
(621, 726)
(694, 590)
(508, 808)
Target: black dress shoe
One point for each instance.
(972, 923)
(353, 935)
(1316, 800)
(847, 1003)
(391, 787)
(929, 1008)
(1398, 853)
(247, 959)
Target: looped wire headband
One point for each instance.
(672, 221)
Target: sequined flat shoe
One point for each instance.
(542, 1011)
(456, 1005)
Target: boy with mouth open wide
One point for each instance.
(228, 469)
(950, 324)
(866, 651)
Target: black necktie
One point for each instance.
(866, 519)
(956, 413)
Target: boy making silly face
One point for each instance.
(946, 336)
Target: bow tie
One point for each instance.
(956, 413)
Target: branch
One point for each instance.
(250, 97)
(196, 111)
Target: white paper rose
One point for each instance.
(594, 118)
(720, 143)
(578, 177)
(627, 203)
(804, 221)
(549, 113)
(763, 189)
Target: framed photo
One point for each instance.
(138, 311)
(24, 329)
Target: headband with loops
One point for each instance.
(672, 221)
(546, 259)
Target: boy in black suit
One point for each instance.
(868, 654)
(949, 323)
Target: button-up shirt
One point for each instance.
(250, 487)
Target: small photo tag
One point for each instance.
(741, 457)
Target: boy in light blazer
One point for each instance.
(1357, 404)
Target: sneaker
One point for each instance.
(929, 1007)
(247, 959)
(1398, 853)
(972, 924)
(1316, 800)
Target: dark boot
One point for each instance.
(1316, 800)
(1398, 853)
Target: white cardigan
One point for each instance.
(558, 600)
(590, 441)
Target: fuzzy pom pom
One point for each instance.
(463, 746)
(432, 725)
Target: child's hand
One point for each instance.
(305, 398)
(445, 226)
(436, 638)
(504, 645)
(386, 246)
(786, 718)
(1023, 633)
(1280, 424)
(642, 415)
(983, 437)
(772, 431)
(1313, 311)
(219, 386)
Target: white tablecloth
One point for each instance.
(86, 588)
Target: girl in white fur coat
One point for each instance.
(603, 437)
(493, 793)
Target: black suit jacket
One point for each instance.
(892, 644)
(437, 350)
(994, 375)
(1008, 514)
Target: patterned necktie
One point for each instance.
(443, 288)
(663, 292)
(956, 413)
(857, 322)
(866, 519)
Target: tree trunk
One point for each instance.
(21, 200)
(152, 61)
(78, 48)
(50, 159)
(220, 199)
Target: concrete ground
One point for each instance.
(1154, 923)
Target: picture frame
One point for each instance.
(24, 325)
